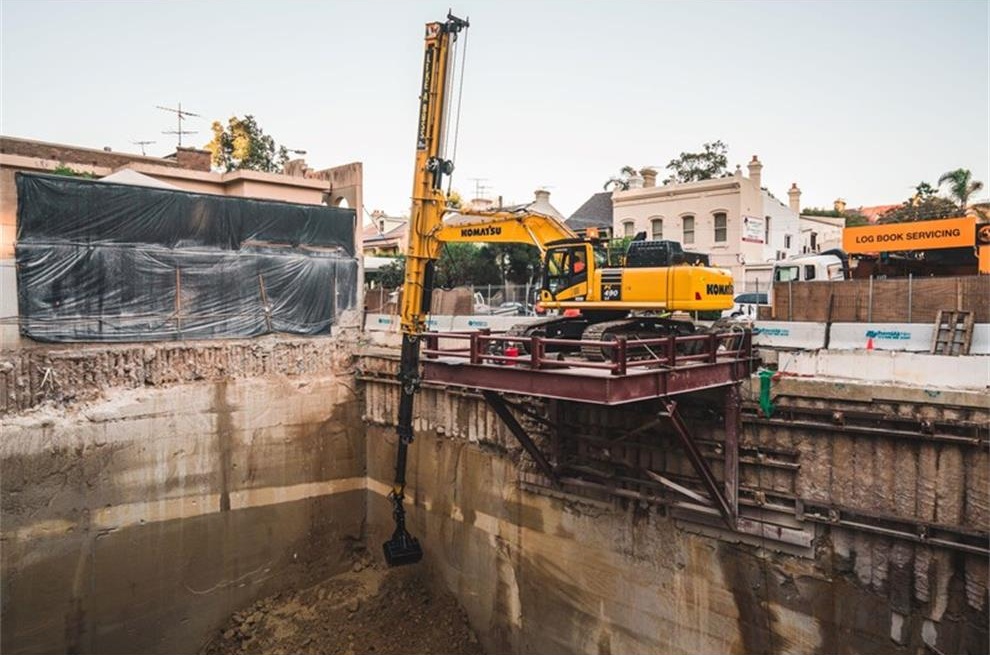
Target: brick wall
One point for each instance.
(188, 158)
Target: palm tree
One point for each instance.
(961, 185)
(622, 181)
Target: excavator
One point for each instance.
(611, 301)
(592, 300)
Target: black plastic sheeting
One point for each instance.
(112, 262)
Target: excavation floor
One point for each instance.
(369, 610)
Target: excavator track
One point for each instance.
(555, 327)
(637, 327)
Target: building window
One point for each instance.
(656, 225)
(721, 228)
(689, 229)
(814, 242)
(787, 241)
(627, 228)
(766, 231)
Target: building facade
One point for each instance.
(188, 169)
(739, 224)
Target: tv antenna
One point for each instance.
(142, 144)
(181, 115)
(480, 187)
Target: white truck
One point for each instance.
(824, 266)
(828, 265)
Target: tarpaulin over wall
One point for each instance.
(112, 262)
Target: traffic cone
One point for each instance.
(869, 343)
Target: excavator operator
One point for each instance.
(578, 266)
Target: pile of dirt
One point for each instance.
(367, 610)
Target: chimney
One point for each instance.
(193, 159)
(755, 168)
(542, 196)
(649, 177)
(839, 205)
(794, 196)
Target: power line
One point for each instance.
(181, 115)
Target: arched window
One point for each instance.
(627, 228)
(656, 229)
(721, 227)
(688, 222)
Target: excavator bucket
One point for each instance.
(402, 549)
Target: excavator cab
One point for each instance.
(566, 270)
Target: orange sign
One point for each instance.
(917, 235)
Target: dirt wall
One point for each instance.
(142, 511)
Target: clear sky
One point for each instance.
(860, 100)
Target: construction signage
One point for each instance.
(916, 235)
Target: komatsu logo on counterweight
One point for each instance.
(719, 289)
(489, 231)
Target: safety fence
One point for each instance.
(900, 300)
(489, 299)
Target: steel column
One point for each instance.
(732, 423)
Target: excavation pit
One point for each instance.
(370, 609)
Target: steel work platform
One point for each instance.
(630, 370)
(672, 365)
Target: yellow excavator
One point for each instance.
(656, 276)
(605, 301)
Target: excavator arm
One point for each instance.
(428, 204)
(503, 227)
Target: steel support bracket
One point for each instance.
(725, 503)
(497, 403)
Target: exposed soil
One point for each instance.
(367, 610)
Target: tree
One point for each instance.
(243, 145)
(924, 191)
(853, 217)
(917, 208)
(695, 166)
(961, 185)
(517, 263)
(392, 274)
(621, 182)
(68, 171)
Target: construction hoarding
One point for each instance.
(112, 262)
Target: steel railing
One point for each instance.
(619, 355)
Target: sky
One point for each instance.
(858, 100)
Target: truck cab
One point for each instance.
(829, 265)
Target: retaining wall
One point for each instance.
(544, 571)
(147, 493)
